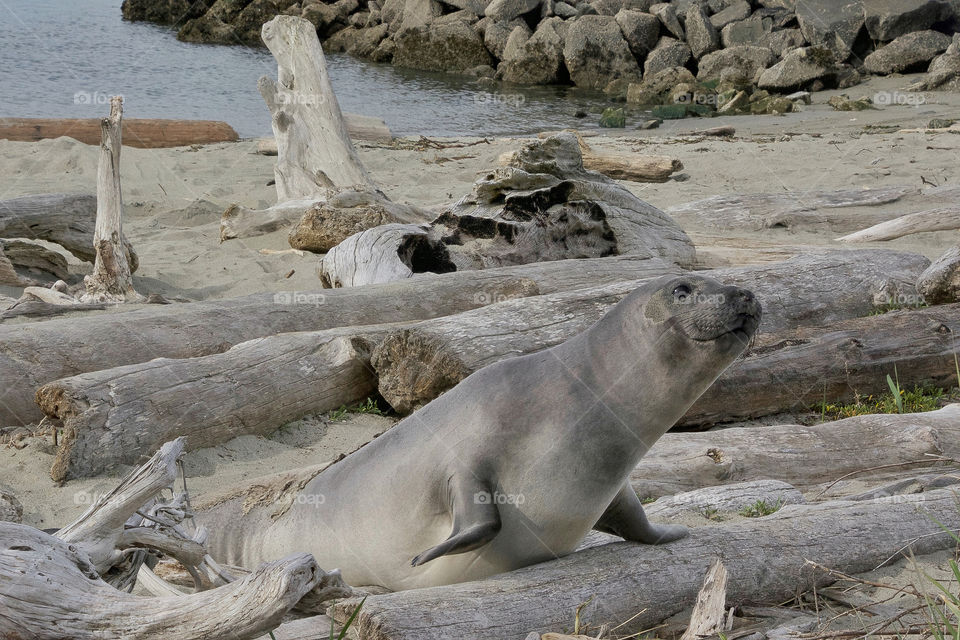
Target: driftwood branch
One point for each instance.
(111, 280)
(940, 219)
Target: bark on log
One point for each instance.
(940, 282)
(202, 328)
(417, 364)
(116, 416)
(67, 219)
(794, 370)
(766, 559)
(758, 211)
(143, 133)
(314, 148)
(111, 280)
(940, 219)
(9, 275)
(804, 456)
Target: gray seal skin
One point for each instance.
(519, 461)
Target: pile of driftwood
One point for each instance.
(539, 251)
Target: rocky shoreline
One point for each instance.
(691, 57)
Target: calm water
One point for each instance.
(64, 58)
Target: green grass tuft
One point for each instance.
(761, 508)
(368, 406)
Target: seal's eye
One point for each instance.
(681, 293)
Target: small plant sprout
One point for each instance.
(895, 389)
(346, 626)
(761, 508)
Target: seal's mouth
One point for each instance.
(736, 323)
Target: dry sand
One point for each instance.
(174, 198)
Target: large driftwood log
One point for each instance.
(314, 148)
(145, 133)
(940, 219)
(202, 328)
(871, 446)
(793, 370)
(940, 282)
(111, 280)
(640, 585)
(116, 416)
(620, 166)
(542, 206)
(758, 211)
(67, 219)
(417, 364)
(35, 263)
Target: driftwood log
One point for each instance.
(640, 585)
(940, 282)
(53, 587)
(144, 133)
(758, 211)
(112, 279)
(940, 219)
(869, 446)
(67, 219)
(27, 263)
(202, 328)
(794, 370)
(116, 415)
(417, 364)
(620, 166)
(542, 206)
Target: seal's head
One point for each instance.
(721, 317)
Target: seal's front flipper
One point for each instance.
(476, 520)
(625, 518)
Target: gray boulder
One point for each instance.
(418, 13)
(668, 53)
(595, 53)
(781, 42)
(640, 30)
(655, 87)
(564, 10)
(789, 5)
(612, 7)
(506, 10)
(890, 19)
(745, 59)
(906, 53)
(833, 24)
(739, 10)
(366, 40)
(667, 14)
(497, 32)
(539, 59)
(798, 69)
(702, 36)
(749, 31)
(453, 47)
(476, 7)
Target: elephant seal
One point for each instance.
(519, 461)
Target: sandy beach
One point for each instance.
(174, 199)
